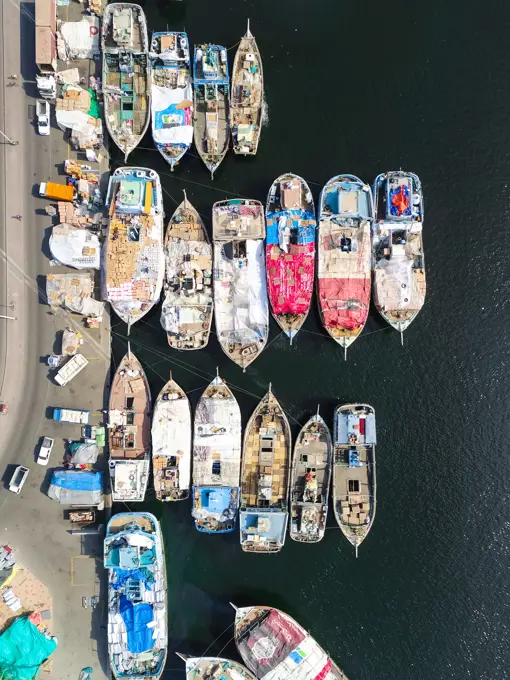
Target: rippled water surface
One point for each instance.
(361, 88)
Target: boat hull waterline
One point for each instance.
(171, 95)
(344, 257)
(240, 288)
(398, 261)
(290, 251)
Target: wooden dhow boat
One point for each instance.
(310, 481)
(214, 668)
(129, 430)
(171, 443)
(247, 97)
(134, 258)
(187, 310)
(290, 251)
(137, 594)
(344, 257)
(216, 459)
(354, 478)
(240, 288)
(171, 95)
(265, 478)
(398, 261)
(275, 647)
(211, 104)
(126, 80)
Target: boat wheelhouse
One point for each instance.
(354, 476)
(247, 97)
(398, 262)
(310, 481)
(216, 459)
(344, 257)
(171, 443)
(129, 419)
(187, 309)
(126, 79)
(134, 258)
(171, 95)
(211, 104)
(290, 251)
(137, 592)
(264, 512)
(240, 288)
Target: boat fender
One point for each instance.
(94, 30)
(152, 174)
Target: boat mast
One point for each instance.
(185, 198)
(248, 32)
(129, 349)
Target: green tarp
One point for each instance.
(22, 650)
(94, 110)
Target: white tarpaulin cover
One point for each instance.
(171, 125)
(79, 39)
(78, 248)
(217, 437)
(395, 286)
(171, 434)
(71, 119)
(240, 293)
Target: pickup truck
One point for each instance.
(43, 117)
(18, 479)
(71, 415)
(70, 369)
(45, 451)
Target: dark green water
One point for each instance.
(364, 87)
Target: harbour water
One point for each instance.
(362, 88)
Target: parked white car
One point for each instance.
(43, 117)
(18, 479)
(45, 450)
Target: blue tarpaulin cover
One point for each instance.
(136, 617)
(121, 576)
(76, 487)
(23, 648)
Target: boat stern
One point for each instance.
(215, 508)
(262, 531)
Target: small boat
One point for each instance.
(187, 309)
(344, 258)
(126, 79)
(247, 98)
(129, 431)
(211, 104)
(172, 95)
(135, 261)
(171, 443)
(214, 668)
(309, 481)
(240, 289)
(354, 480)
(265, 478)
(274, 646)
(398, 262)
(216, 460)
(290, 251)
(137, 590)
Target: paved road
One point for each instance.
(31, 522)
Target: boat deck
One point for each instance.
(247, 97)
(211, 127)
(265, 478)
(188, 305)
(119, 523)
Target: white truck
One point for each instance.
(47, 86)
(70, 369)
(43, 117)
(71, 415)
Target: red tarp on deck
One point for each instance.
(284, 635)
(337, 293)
(290, 278)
